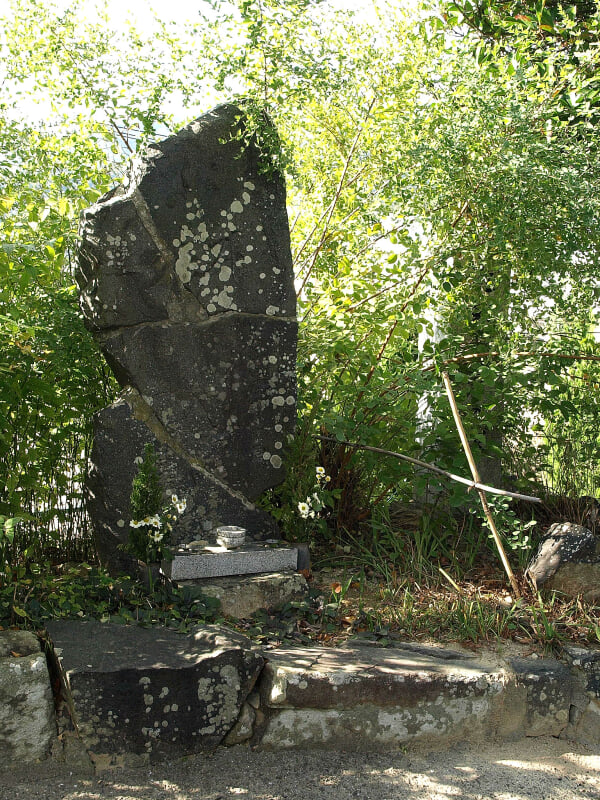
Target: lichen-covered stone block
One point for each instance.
(241, 599)
(568, 561)
(549, 691)
(123, 429)
(152, 691)
(361, 697)
(27, 723)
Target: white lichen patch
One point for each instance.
(272, 310)
(249, 185)
(236, 207)
(205, 688)
(275, 461)
(183, 265)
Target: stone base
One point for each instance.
(217, 562)
(151, 693)
(241, 598)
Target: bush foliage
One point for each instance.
(442, 177)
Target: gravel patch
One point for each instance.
(532, 769)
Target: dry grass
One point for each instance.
(478, 610)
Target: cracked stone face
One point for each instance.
(186, 279)
(153, 692)
(568, 561)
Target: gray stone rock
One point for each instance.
(243, 729)
(27, 725)
(224, 391)
(568, 561)
(186, 278)
(203, 214)
(151, 691)
(241, 598)
(549, 692)
(584, 714)
(366, 697)
(123, 429)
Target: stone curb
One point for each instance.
(354, 697)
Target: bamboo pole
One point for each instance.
(477, 479)
(432, 468)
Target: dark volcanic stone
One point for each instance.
(151, 690)
(210, 502)
(549, 689)
(186, 278)
(224, 390)
(567, 561)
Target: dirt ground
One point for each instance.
(531, 769)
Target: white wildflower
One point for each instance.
(320, 472)
(304, 510)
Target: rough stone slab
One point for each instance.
(568, 561)
(150, 690)
(587, 662)
(250, 558)
(187, 281)
(27, 725)
(584, 713)
(224, 390)
(241, 598)
(361, 697)
(134, 284)
(549, 687)
(199, 208)
(210, 503)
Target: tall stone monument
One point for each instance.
(186, 281)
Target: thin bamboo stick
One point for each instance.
(477, 479)
(432, 468)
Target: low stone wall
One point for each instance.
(27, 724)
(132, 695)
